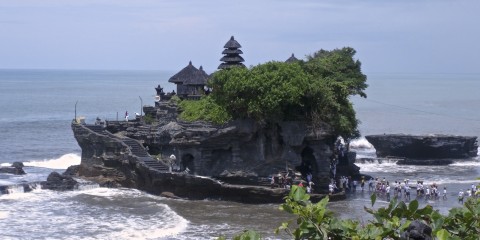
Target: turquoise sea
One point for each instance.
(37, 106)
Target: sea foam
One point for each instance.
(62, 162)
(361, 143)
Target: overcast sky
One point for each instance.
(408, 36)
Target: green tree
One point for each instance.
(267, 92)
(317, 91)
(204, 109)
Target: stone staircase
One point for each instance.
(138, 150)
(96, 128)
(135, 147)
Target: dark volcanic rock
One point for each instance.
(16, 168)
(241, 154)
(424, 147)
(72, 171)
(58, 182)
(417, 230)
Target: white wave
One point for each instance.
(62, 162)
(361, 143)
(20, 195)
(386, 166)
(466, 163)
(110, 192)
(450, 181)
(3, 182)
(3, 215)
(170, 224)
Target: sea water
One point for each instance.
(37, 107)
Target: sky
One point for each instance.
(407, 36)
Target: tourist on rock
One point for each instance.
(310, 184)
(444, 193)
(331, 188)
(427, 193)
(370, 185)
(387, 191)
(126, 116)
(407, 192)
(309, 177)
(460, 196)
(362, 183)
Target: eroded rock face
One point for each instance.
(424, 147)
(240, 154)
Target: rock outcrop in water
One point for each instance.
(16, 168)
(59, 182)
(230, 162)
(424, 149)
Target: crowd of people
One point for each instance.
(399, 189)
(287, 179)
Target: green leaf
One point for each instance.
(413, 206)
(443, 234)
(373, 198)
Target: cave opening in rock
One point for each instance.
(187, 161)
(308, 164)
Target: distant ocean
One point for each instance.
(37, 106)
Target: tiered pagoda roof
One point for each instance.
(232, 56)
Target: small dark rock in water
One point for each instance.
(71, 171)
(417, 230)
(16, 168)
(18, 165)
(58, 182)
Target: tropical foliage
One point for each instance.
(204, 109)
(316, 90)
(315, 221)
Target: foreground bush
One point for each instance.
(315, 221)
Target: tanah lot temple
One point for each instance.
(164, 155)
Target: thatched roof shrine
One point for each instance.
(190, 81)
(232, 56)
(188, 73)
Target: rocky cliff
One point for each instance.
(424, 149)
(231, 162)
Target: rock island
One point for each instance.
(255, 155)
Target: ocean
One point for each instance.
(37, 107)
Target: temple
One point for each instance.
(190, 82)
(232, 56)
(237, 161)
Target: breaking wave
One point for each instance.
(62, 162)
(361, 143)
(99, 213)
